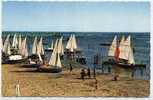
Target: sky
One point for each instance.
(76, 16)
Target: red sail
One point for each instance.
(117, 52)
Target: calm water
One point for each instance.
(90, 44)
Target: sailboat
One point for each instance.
(51, 47)
(71, 44)
(55, 65)
(16, 56)
(122, 53)
(6, 49)
(37, 51)
(6, 46)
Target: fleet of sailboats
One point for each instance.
(125, 52)
(14, 53)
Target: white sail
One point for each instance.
(40, 58)
(68, 46)
(60, 46)
(20, 45)
(15, 42)
(52, 60)
(125, 49)
(41, 45)
(112, 48)
(131, 57)
(24, 48)
(74, 42)
(58, 64)
(40, 48)
(8, 49)
(34, 48)
(55, 50)
(6, 42)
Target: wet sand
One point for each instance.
(43, 84)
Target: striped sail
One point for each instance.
(125, 49)
(112, 48)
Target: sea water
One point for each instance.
(89, 43)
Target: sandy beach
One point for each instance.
(43, 84)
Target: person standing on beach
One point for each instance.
(96, 84)
(82, 74)
(94, 72)
(88, 72)
(71, 68)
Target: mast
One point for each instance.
(112, 48)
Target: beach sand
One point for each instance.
(43, 84)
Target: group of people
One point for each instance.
(87, 72)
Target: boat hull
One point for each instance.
(124, 65)
(50, 70)
(15, 61)
(48, 50)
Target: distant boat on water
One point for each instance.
(51, 47)
(122, 53)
